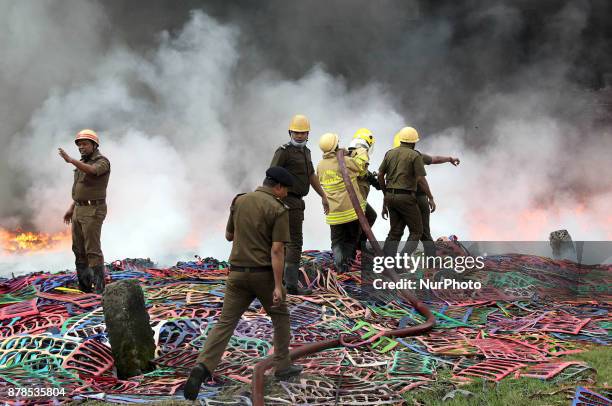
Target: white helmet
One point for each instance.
(360, 143)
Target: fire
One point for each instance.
(19, 241)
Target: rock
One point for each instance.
(128, 328)
(562, 245)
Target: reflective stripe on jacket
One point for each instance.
(328, 171)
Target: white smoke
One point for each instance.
(185, 132)
(182, 139)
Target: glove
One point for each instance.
(372, 178)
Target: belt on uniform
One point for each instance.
(89, 202)
(251, 269)
(400, 191)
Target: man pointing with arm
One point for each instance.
(88, 209)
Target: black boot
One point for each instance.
(85, 277)
(350, 254)
(98, 278)
(289, 372)
(409, 247)
(390, 248)
(338, 257)
(198, 375)
(429, 248)
(291, 280)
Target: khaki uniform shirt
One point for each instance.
(257, 219)
(91, 187)
(298, 162)
(328, 171)
(401, 166)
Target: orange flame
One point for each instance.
(19, 241)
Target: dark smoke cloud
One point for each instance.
(446, 64)
(437, 58)
(517, 88)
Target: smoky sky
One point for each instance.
(203, 91)
(437, 58)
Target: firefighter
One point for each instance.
(342, 218)
(361, 148)
(258, 227)
(294, 156)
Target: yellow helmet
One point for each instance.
(299, 123)
(366, 135)
(328, 142)
(406, 134)
(87, 134)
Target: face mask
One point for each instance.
(298, 144)
(358, 143)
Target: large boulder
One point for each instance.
(562, 245)
(128, 328)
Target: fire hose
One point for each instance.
(344, 339)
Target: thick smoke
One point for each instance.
(191, 106)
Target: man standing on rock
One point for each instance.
(258, 226)
(88, 209)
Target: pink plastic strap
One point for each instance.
(84, 301)
(548, 370)
(22, 309)
(507, 350)
(90, 358)
(491, 369)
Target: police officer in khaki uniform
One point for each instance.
(88, 209)
(258, 226)
(294, 156)
(423, 199)
(399, 173)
